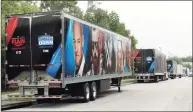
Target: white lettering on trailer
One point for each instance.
(45, 40)
(45, 50)
(18, 52)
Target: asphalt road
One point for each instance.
(170, 95)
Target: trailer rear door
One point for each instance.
(144, 61)
(18, 53)
(46, 48)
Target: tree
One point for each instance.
(97, 16)
(14, 7)
(133, 41)
(65, 5)
(187, 65)
(107, 20)
(114, 21)
(187, 59)
(47, 5)
(179, 60)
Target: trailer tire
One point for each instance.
(93, 91)
(139, 81)
(86, 92)
(162, 78)
(156, 79)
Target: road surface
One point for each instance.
(170, 95)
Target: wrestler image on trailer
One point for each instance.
(108, 45)
(124, 56)
(78, 41)
(128, 54)
(97, 55)
(120, 67)
(101, 52)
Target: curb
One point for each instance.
(16, 105)
(29, 103)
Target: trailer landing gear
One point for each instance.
(119, 84)
(116, 82)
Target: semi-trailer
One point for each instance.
(50, 54)
(172, 68)
(183, 71)
(187, 71)
(150, 65)
(179, 70)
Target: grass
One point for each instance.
(9, 91)
(20, 99)
(128, 81)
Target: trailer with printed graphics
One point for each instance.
(187, 71)
(180, 70)
(172, 68)
(184, 71)
(50, 54)
(150, 65)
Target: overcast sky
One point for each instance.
(156, 24)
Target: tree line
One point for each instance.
(93, 14)
(180, 60)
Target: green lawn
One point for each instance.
(9, 91)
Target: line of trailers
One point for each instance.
(50, 54)
(151, 65)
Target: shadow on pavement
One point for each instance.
(73, 100)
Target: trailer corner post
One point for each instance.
(46, 90)
(133, 73)
(21, 90)
(63, 48)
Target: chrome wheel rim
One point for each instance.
(87, 92)
(94, 91)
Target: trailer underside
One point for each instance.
(151, 77)
(56, 89)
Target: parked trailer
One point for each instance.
(187, 71)
(179, 70)
(183, 71)
(50, 54)
(150, 64)
(172, 68)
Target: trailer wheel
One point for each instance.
(163, 78)
(139, 81)
(93, 91)
(156, 78)
(86, 92)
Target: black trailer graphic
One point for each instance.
(55, 50)
(172, 68)
(150, 64)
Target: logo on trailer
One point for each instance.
(149, 59)
(45, 41)
(20, 41)
(138, 58)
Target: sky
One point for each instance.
(163, 25)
